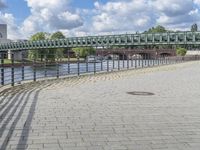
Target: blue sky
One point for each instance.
(18, 8)
(94, 17)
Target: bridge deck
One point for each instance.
(95, 112)
(169, 38)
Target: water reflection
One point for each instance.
(72, 69)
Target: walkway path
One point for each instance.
(97, 113)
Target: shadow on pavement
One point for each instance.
(12, 106)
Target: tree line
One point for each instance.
(181, 51)
(52, 54)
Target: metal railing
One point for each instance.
(16, 70)
(184, 38)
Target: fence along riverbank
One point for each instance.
(16, 71)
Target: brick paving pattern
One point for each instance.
(97, 113)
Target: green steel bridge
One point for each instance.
(169, 38)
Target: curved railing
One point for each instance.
(16, 71)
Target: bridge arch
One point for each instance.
(136, 56)
(165, 54)
(114, 55)
(142, 55)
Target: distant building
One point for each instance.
(3, 31)
(3, 34)
(4, 39)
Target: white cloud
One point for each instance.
(122, 16)
(2, 4)
(173, 7)
(114, 16)
(197, 2)
(50, 15)
(133, 15)
(194, 12)
(13, 29)
(68, 20)
(53, 5)
(180, 14)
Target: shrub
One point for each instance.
(181, 51)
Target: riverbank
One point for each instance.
(99, 112)
(120, 73)
(37, 64)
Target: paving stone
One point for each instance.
(95, 112)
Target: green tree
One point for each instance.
(49, 54)
(36, 54)
(83, 52)
(57, 53)
(157, 29)
(194, 28)
(181, 51)
(58, 35)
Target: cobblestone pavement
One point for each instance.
(97, 113)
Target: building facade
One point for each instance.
(3, 34)
(4, 39)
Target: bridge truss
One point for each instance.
(169, 38)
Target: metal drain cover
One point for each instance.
(139, 93)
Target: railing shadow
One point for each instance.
(14, 110)
(24, 135)
(19, 98)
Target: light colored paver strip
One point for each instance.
(96, 113)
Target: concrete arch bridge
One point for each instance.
(136, 53)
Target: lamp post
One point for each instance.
(78, 63)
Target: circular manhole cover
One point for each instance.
(139, 93)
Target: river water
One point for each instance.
(74, 69)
